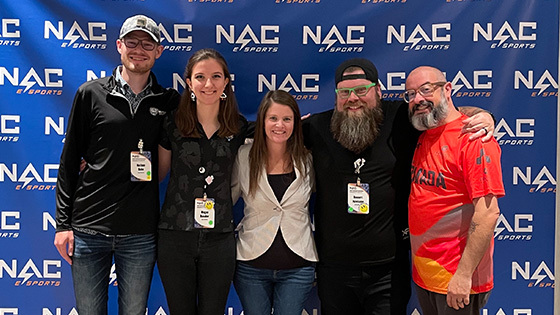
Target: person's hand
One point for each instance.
(83, 164)
(479, 125)
(64, 243)
(458, 291)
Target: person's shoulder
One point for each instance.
(245, 149)
(319, 117)
(93, 85)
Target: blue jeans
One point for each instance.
(134, 256)
(260, 290)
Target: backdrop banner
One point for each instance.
(500, 55)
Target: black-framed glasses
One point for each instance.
(131, 42)
(426, 89)
(360, 90)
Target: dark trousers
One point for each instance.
(354, 290)
(196, 269)
(436, 304)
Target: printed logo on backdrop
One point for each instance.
(212, 1)
(297, 1)
(477, 85)
(47, 81)
(518, 133)
(9, 311)
(383, 1)
(420, 38)
(29, 177)
(516, 228)
(521, 35)
(9, 128)
(535, 274)
(249, 39)
(9, 32)
(58, 310)
(9, 224)
(542, 84)
(537, 180)
(55, 126)
(88, 35)
(303, 86)
(178, 38)
(394, 85)
(500, 311)
(31, 273)
(344, 39)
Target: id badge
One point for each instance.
(358, 198)
(140, 166)
(204, 213)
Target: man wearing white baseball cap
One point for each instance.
(110, 209)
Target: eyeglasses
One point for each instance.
(426, 89)
(360, 90)
(147, 45)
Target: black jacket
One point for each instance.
(103, 130)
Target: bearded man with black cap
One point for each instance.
(111, 208)
(362, 151)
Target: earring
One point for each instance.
(193, 97)
(223, 96)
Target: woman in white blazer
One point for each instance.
(276, 252)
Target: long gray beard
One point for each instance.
(432, 119)
(356, 133)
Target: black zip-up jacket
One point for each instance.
(103, 130)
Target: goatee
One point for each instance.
(357, 132)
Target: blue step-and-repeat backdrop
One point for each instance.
(501, 55)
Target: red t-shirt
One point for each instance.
(448, 172)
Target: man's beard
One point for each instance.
(357, 132)
(434, 118)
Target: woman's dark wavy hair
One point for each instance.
(228, 115)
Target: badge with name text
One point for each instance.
(358, 198)
(140, 166)
(204, 213)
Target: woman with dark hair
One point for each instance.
(196, 245)
(275, 249)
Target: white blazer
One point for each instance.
(264, 215)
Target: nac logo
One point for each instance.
(58, 311)
(520, 230)
(305, 86)
(349, 40)
(506, 37)
(546, 85)
(437, 38)
(395, 82)
(48, 81)
(481, 85)
(248, 41)
(522, 132)
(28, 175)
(544, 181)
(515, 311)
(9, 128)
(47, 269)
(91, 37)
(9, 32)
(9, 224)
(540, 277)
(180, 39)
(9, 311)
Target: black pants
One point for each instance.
(354, 290)
(196, 269)
(436, 304)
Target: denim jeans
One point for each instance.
(134, 256)
(354, 289)
(260, 290)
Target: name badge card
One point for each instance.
(204, 213)
(140, 166)
(358, 198)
